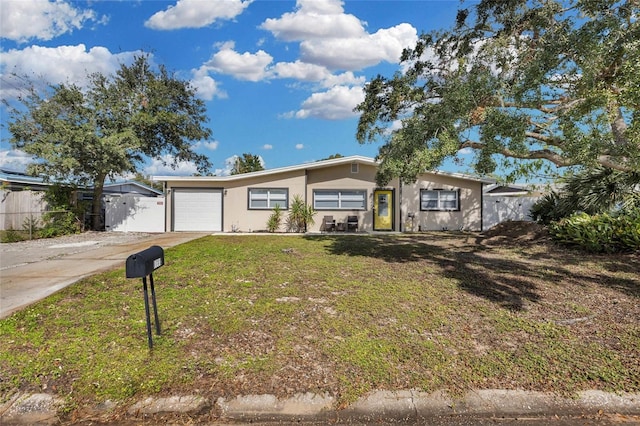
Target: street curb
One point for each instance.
(31, 409)
(381, 406)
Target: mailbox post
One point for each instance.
(141, 265)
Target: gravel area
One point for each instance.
(94, 237)
(29, 251)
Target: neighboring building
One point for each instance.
(339, 187)
(131, 187)
(21, 202)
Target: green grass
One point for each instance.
(337, 314)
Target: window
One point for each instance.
(354, 167)
(439, 199)
(268, 198)
(339, 199)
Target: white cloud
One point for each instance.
(360, 52)
(210, 145)
(206, 86)
(57, 65)
(336, 40)
(307, 72)
(15, 160)
(196, 14)
(41, 19)
(162, 167)
(267, 146)
(299, 146)
(245, 66)
(335, 104)
(313, 20)
(465, 151)
(229, 163)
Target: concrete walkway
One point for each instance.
(32, 270)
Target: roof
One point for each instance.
(134, 183)
(305, 166)
(23, 179)
(497, 189)
(12, 176)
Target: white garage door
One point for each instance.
(197, 209)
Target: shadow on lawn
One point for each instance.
(509, 282)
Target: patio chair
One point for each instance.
(352, 223)
(328, 224)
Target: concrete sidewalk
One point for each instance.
(481, 407)
(30, 271)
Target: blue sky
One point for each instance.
(280, 78)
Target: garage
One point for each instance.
(197, 209)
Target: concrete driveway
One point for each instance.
(32, 270)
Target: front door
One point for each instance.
(383, 210)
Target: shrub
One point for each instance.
(300, 215)
(602, 233)
(274, 221)
(64, 218)
(11, 236)
(551, 207)
(58, 223)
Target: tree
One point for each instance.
(526, 83)
(333, 156)
(146, 179)
(84, 136)
(247, 163)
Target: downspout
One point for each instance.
(400, 202)
(306, 195)
(481, 206)
(166, 204)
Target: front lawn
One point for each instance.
(338, 314)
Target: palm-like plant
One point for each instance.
(300, 215)
(593, 191)
(600, 190)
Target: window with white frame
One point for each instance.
(268, 198)
(439, 199)
(338, 199)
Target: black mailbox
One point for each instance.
(142, 264)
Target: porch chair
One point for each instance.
(352, 223)
(328, 224)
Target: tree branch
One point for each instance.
(546, 154)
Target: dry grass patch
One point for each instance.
(339, 314)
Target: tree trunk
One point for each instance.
(96, 207)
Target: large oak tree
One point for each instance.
(83, 136)
(522, 83)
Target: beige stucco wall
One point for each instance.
(341, 177)
(236, 215)
(236, 202)
(469, 217)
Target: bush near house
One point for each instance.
(274, 221)
(300, 215)
(601, 233)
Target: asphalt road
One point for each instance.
(32, 270)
